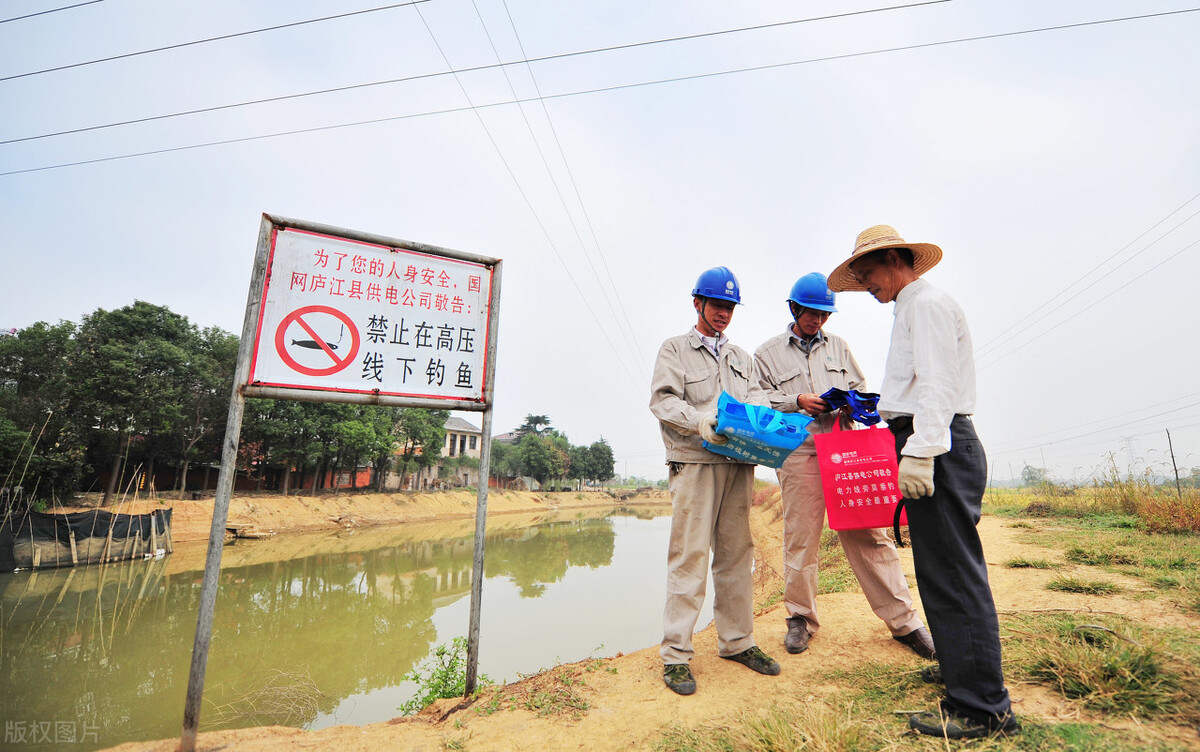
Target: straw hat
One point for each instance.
(877, 238)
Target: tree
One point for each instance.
(128, 374)
(601, 464)
(41, 444)
(544, 456)
(533, 424)
(419, 434)
(206, 390)
(1034, 476)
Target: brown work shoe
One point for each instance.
(756, 660)
(920, 642)
(796, 640)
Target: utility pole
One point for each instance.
(1178, 490)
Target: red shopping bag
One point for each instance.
(858, 476)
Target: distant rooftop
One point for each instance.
(460, 425)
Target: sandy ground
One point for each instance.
(629, 707)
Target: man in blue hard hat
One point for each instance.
(927, 398)
(795, 367)
(711, 494)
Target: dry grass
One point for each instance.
(812, 726)
(284, 698)
(558, 692)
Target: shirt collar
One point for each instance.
(908, 292)
(713, 344)
(806, 345)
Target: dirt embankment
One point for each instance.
(629, 707)
(191, 519)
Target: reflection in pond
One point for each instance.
(315, 636)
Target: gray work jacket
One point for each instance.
(685, 386)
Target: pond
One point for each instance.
(315, 631)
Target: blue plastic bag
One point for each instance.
(862, 404)
(758, 435)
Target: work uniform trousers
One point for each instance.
(871, 553)
(952, 575)
(711, 512)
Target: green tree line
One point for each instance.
(545, 454)
(126, 391)
(129, 390)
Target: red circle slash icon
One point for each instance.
(307, 318)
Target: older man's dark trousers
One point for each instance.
(952, 575)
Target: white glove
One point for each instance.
(707, 428)
(916, 477)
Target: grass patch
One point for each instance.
(814, 726)
(1098, 557)
(1109, 663)
(1168, 562)
(834, 574)
(557, 692)
(1077, 585)
(1021, 562)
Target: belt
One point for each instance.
(900, 423)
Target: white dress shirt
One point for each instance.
(930, 372)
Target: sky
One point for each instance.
(1057, 168)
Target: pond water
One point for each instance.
(317, 631)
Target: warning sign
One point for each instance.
(340, 314)
(312, 352)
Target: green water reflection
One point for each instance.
(101, 654)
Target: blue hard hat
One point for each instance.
(718, 283)
(812, 291)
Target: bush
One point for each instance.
(446, 677)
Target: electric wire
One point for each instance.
(575, 187)
(557, 189)
(1093, 432)
(439, 74)
(994, 343)
(1109, 417)
(584, 92)
(1027, 342)
(525, 198)
(223, 37)
(51, 10)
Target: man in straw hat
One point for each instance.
(710, 493)
(927, 397)
(795, 367)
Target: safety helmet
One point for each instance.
(718, 283)
(812, 291)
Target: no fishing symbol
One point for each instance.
(310, 337)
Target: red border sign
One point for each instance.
(296, 316)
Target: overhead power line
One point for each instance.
(597, 90)
(1026, 342)
(51, 10)
(615, 300)
(996, 340)
(207, 40)
(472, 69)
(525, 197)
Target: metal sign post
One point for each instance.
(335, 315)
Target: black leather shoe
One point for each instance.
(954, 726)
(920, 642)
(797, 635)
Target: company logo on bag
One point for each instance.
(835, 457)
